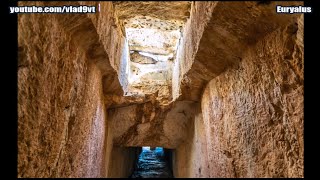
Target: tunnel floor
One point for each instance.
(152, 164)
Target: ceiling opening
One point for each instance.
(150, 57)
(152, 46)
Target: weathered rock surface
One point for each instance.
(148, 124)
(138, 58)
(61, 112)
(122, 161)
(252, 114)
(255, 120)
(229, 28)
(178, 10)
(61, 107)
(190, 157)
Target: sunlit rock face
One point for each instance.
(153, 40)
(166, 10)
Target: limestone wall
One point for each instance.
(190, 158)
(122, 162)
(61, 112)
(252, 114)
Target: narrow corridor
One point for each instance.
(215, 88)
(152, 164)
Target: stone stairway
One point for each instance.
(151, 164)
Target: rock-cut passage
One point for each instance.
(219, 85)
(152, 164)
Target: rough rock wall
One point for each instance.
(177, 10)
(148, 125)
(192, 32)
(119, 162)
(61, 113)
(230, 29)
(109, 33)
(190, 158)
(251, 123)
(122, 161)
(253, 113)
(114, 43)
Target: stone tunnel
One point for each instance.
(161, 89)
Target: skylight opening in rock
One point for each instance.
(152, 49)
(150, 60)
